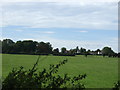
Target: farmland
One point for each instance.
(102, 72)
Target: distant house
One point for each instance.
(78, 51)
(99, 52)
(95, 52)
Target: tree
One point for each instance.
(28, 46)
(72, 51)
(98, 50)
(77, 49)
(82, 51)
(7, 46)
(44, 48)
(18, 47)
(56, 51)
(107, 51)
(0, 46)
(63, 49)
(119, 54)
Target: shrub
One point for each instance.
(31, 79)
(117, 86)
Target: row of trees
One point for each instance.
(106, 51)
(34, 47)
(25, 47)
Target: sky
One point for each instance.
(64, 23)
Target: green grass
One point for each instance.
(102, 72)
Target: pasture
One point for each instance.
(102, 72)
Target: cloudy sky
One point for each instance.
(63, 23)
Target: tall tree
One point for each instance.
(77, 50)
(107, 51)
(28, 46)
(56, 51)
(44, 48)
(0, 46)
(82, 51)
(63, 49)
(7, 46)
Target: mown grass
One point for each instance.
(102, 72)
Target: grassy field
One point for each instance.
(101, 72)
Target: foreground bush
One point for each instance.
(117, 86)
(21, 78)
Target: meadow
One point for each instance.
(102, 72)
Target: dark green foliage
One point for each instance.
(28, 46)
(31, 79)
(82, 51)
(63, 50)
(56, 51)
(119, 54)
(0, 46)
(7, 46)
(44, 48)
(117, 86)
(107, 51)
(25, 47)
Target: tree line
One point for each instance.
(25, 47)
(45, 48)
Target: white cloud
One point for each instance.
(50, 15)
(95, 14)
(49, 32)
(45, 32)
(19, 30)
(85, 1)
(83, 31)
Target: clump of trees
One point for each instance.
(42, 48)
(0, 46)
(26, 47)
(31, 79)
(107, 51)
(64, 52)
